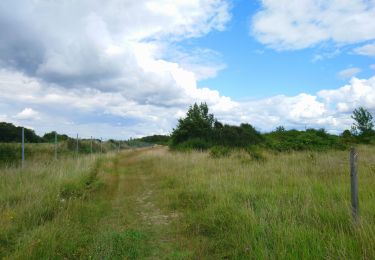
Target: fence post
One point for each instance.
(55, 145)
(91, 145)
(101, 145)
(77, 146)
(23, 147)
(354, 183)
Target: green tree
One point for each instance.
(198, 124)
(363, 124)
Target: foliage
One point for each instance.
(50, 137)
(255, 153)
(195, 144)
(363, 124)
(236, 136)
(219, 151)
(311, 139)
(200, 130)
(10, 133)
(198, 123)
(156, 139)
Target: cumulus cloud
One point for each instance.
(116, 69)
(359, 92)
(298, 24)
(107, 46)
(111, 57)
(348, 73)
(27, 114)
(98, 113)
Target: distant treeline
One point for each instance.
(10, 133)
(200, 130)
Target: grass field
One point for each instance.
(157, 204)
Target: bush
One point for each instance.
(255, 153)
(194, 144)
(219, 151)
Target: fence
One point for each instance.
(18, 153)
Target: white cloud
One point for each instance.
(372, 66)
(360, 92)
(348, 73)
(298, 24)
(27, 114)
(108, 57)
(116, 69)
(105, 114)
(366, 50)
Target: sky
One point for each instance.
(126, 68)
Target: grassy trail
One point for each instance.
(156, 204)
(135, 226)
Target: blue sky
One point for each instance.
(254, 70)
(120, 69)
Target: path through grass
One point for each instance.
(155, 204)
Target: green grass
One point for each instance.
(294, 205)
(156, 204)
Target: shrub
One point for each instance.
(255, 153)
(194, 144)
(219, 151)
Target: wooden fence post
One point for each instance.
(354, 183)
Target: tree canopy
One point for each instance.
(363, 124)
(199, 129)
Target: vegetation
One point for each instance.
(311, 139)
(200, 130)
(11, 133)
(157, 204)
(10, 153)
(363, 121)
(156, 139)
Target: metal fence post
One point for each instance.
(354, 183)
(77, 146)
(55, 145)
(23, 147)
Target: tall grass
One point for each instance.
(10, 153)
(195, 205)
(39, 203)
(291, 205)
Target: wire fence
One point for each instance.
(60, 146)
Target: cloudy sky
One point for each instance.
(128, 68)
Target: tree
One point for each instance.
(198, 124)
(280, 129)
(363, 122)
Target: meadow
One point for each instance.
(153, 203)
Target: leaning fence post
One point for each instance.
(23, 147)
(354, 183)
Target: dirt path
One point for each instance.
(136, 227)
